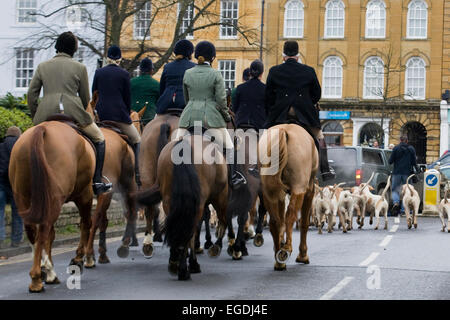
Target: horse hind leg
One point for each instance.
(147, 246)
(207, 217)
(291, 216)
(47, 262)
(194, 267)
(36, 271)
(130, 230)
(84, 204)
(305, 209)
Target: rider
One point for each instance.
(245, 78)
(65, 82)
(292, 94)
(145, 91)
(114, 99)
(171, 86)
(204, 92)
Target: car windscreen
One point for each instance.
(445, 172)
(342, 156)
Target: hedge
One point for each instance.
(13, 117)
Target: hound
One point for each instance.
(377, 204)
(444, 210)
(411, 201)
(321, 208)
(359, 205)
(333, 193)
(345, 210)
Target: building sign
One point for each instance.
(334, 115)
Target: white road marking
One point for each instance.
(333, 291)
(386, 241)
(397, 220)
(370, 259)
(394, 228)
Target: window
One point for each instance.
(229, 17)
(76, 15)
(24, 67)
(376, 19)
(334, 19)
(332, 78)
(370, 133)
(415, 78)
(187, 20)
(333, 133)
(372, 157)
(25, 11)
(142, 21)
(228, 70)
(417, 20)
(294, 16)
(373, 78)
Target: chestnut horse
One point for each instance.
(291, 170)
(51, 164)
(185, 189)
(119, 168)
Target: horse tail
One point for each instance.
(283, 156)
(149, 197)
(184, 203)
(40, 178)
(164, 132)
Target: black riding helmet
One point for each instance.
(206, 50)
(67, 42)
(184, 48)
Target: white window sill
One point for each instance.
(293, 37)
(228, 38)
(373, 98)
(332, 37)
(375, 38)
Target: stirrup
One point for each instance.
(331, 174)
(102, 187)
(237, 179)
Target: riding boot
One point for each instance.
(99, 186)
(136, 149)
(237, 177)
(326, 171)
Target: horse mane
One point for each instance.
(184, 203)
(41, 193)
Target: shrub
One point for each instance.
(11, 102)
(13, 117)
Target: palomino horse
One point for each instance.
(119, 168)
(290, 171)
(185, 189)
(50, 165)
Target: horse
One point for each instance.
(119, 168)
(51, 164)
(185, 190)
(291, 170)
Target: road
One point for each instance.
(363, 264)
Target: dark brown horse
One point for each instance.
(50, 165)
(185, 189)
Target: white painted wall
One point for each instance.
(14, 34)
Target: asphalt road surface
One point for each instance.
(363, 264)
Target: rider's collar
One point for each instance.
(205, 63)
(63, 54)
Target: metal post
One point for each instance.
(262, 30)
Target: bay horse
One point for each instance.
(185, 190)
(51, 164)
(119, 168)
(291, 170)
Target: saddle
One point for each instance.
(174, 112)
(71, 122)
(112, 125)
(292, 119)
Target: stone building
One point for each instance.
(382, 64)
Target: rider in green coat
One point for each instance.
(145, 91)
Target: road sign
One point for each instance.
(334, 115)
(431, 190)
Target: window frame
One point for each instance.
(136, 20)
(223, 72)
(222, 27)
(17, 69)
(339, 134)
(407, 80)
(324, 82)
(365, 95)
(302, 19)
(18, 14)
(408, 22)
(189, 36)
(327, 12)
(383, 4)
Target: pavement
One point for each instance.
(367, 264)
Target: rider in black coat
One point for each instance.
(292, 94)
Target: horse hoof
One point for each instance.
(55, 281)
(43, 274)
(134, 243)
(103, 259)
(184, 275)
(194, 268)
(207, 245)
(158, 238)
(258, 241)
(304, 260)
(36, 289)
(79, 264)
(237, 255)
(246, 236)
(415, 225)
(214, 251)
(230, 251)
(147, 249)
(282, 256)
(173, 268)
(89, 263)
(199, 250)
(123, 251)
(244, 252)
(279, 266)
